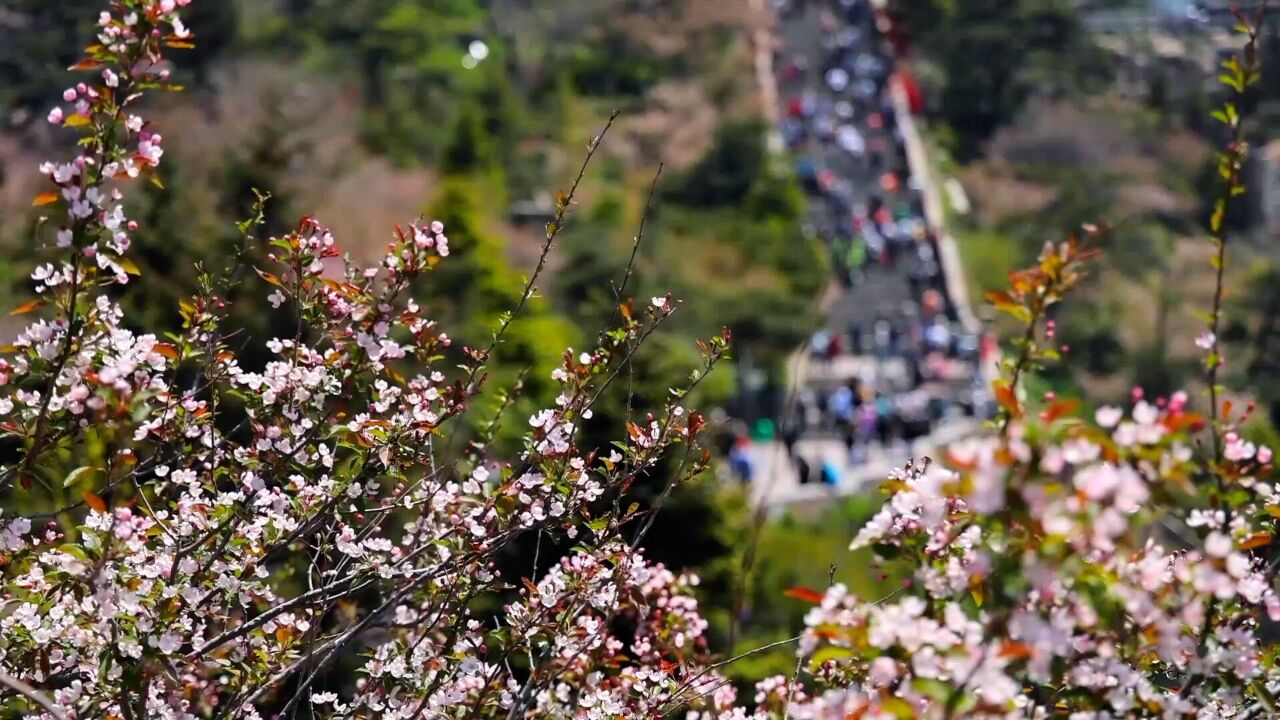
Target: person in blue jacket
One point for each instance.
(830, 473)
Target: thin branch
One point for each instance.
(552, 232)
(31, 694)
(563, 202)
(635, 245)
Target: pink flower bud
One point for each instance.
(55, 116)
(69, 94)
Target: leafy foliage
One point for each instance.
(997, 55)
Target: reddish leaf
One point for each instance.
(803, 593)
(696, 421)
(94, 501)
(1015, 650)
(1060, 409)
(166, 350)
(1000, 298)
(45, 198)
(1256, 540)
(268, 277)
(26, 307)
(1182, 421)
(1008, 400)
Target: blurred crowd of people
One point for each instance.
(916, 364)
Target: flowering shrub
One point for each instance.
(316, 536)
(234, 533)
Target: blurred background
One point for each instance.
(843, 181)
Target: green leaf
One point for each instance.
(898, 707)
(1264, 698)
(935, 689)
(886, 551)
(74, 551)
(75, 475)
(831, 652)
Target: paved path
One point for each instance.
(778, 484)
(949, 254)
(880, 292)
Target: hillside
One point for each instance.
(1083, 119)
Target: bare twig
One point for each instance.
(635, 245)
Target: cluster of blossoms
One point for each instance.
(215, 540)
(1042, 584)
(1060, 569)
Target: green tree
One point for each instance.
(475, 285)
(469, 147)
(724, 176)
(997, 54)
